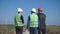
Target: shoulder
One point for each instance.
(16, 15)
(29, 16)
(21, 16)
(44, 14)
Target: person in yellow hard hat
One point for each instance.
(32, 24)
(19, 22)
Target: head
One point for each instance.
(40, 10)
(20, 11)
(33, 10)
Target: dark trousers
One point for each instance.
(19, 30)
(43, 30)
(33, 30)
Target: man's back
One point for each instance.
(42, 18)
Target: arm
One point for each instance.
(38, 21)
(45, 18)
(28, 22)
(22, 19)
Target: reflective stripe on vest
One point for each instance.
(33, 20)
(18, 20)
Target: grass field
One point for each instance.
(7, 29)
(53, 29)
(10, 29)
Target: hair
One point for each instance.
(32, 12)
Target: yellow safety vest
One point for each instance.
(18, 20)
(33, 20)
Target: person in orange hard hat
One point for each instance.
(41, 21)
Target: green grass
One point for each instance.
(10, 29)
(53, 29)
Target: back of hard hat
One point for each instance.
(33, 9)
(39, 9)
(20, 10)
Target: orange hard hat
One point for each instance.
(39, 9)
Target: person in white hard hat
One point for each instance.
(32, 23)
(19, 22)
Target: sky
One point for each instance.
(8, 9)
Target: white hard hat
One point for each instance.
(20, 10)
(33, 9)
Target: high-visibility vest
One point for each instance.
(18, 20)
(33, 20)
